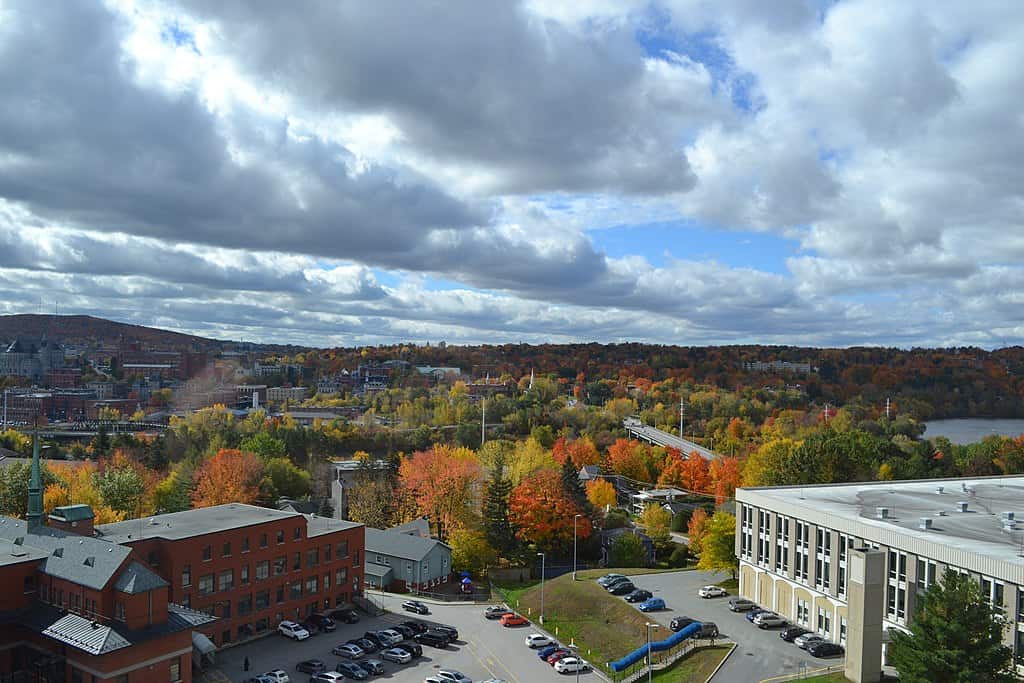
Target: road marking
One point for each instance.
(493, 659)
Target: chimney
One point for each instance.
(925, 523)
(76, 519)
(882, 513)
(962, 506)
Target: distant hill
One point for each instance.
(79, 329)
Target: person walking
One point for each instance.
(245, 664)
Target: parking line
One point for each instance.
(495, 660)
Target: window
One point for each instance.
(263, 540)
(327, 553)
(296, 561)
(186, 600)
(312, 558)
(207, 553)
(295, 590)
(263, 600)
(803, 531)
(842, 630)
(925, 573)
(327, 582)
(280, 537)
(311, 585)
(245, 544)
(119, 611)
(186, 576)
(355, 559)
(206, 584)
(245, 606)
(340, 576)
(824, 621)
(280, 564)
(226, 550)
(226, 580)
(297, 533)
(341, 550)
(175, 670)
(781, 543)
(279, 598)
(993, 592)
(244, 574)
(225, 609)
(803, 611)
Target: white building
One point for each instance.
(289, 394)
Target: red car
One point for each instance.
(558, 654)
(513, 619)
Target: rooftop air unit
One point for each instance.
(962, 506)
(1008, 515)
(939, 489)
(883, 513)
(925, 523)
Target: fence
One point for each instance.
(661, 660)
(805, 672)
(478, 595)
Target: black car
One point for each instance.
(639, 595)
(622, 588)
(416, 626)
(825, 649)
(365, 644)
(370, 666)
(406, 632)
(415, 606)
(412, 648)
(351, 670)
(433, 638)
(679, 623)
(792, 633)
(311, 626)
(450, 631)
(311, 666)
(324, 622)
(348, 615)
(382, 642)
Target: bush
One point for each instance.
(681, 520)
(616, 519)
(627, 551)
(680, 557)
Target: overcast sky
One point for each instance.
(340, 173)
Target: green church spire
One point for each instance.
(35, 489)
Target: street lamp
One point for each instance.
(649, 626)
(576, 651)
(543, 558)
(574, 520)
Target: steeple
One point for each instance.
(35, 489)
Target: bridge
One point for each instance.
(77, 430)
(658, 437)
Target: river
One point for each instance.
(972, 429)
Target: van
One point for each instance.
(433, 638)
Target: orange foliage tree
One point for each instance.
(582, 451)
(697, 528)
(543, 514)
(600, 493)
(625, 457)
(230, 476)
(726, 474)
(691, 474)
(441, 483)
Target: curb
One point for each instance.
(432, 601)
(722, 663)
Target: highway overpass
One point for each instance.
(639, 430)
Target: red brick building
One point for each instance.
(250, 567)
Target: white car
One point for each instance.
(396, 655)
(277, 676)
(292, 630)
(538, 640)
(453, 676)
(568, 665)
(712, 592)
(394, 636)
(327, 677)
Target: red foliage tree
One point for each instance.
(694, 474)
(582, 451)
(696, 528)
(543, 514)
(230, 476)
(726, 475)
(441, 484)
(625, 457)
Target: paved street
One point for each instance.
(760, 653)
(485, 649)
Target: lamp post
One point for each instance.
(576, 651)
(543, 559)
(574, 520)
(649, 626)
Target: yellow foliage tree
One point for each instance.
(600, 493)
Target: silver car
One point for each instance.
(740, 604)
(396, 655)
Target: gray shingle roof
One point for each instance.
(189, 523)
(398, 544)
(136, 578)
(86, 635)
(418, 527)
(378, 570)
(84, 560)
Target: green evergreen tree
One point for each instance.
(573, 486)
(497, 527)
(101, 442)
(627, 551)
(955, 637)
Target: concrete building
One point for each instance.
(289, 394)
(797, 548)
(398, 560)
(343, 478)
(641, 500)
(31, 358)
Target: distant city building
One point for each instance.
(290, 394)
(343, 476)
(438, 372)
(778, 366)
(656, 496)
(31, 357)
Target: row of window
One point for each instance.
(342, 548)
(225, 579)
(261, 599)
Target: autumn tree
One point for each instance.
(726, 475)
(173, 493)
(542, 513)
(765, 466)
(600, 493)
(371, 498)
(696, 528)
(656, 521)
(582, 451)
(285, 480)
(718, 544)
(230, 476)
(470, 551)
(497, 527)
(626, 457)
(442, 484)
(122, 484)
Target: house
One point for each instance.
(589, 473)
(608, 537)
(398, 561)
(417, 527)
(642, 499)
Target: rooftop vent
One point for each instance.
(962, 506)
(90, 561)
(20, 540)
(940, 513)
(58, 552)
(883, 513)
(963, 486)
(939, 489)
(1008, 515)
(925, 523)
(153, 522)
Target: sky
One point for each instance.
(342, 173)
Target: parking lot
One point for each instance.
(759, 653)
(484, 650)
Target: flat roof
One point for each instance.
(954, 536)
(189, 523)
(318, 526)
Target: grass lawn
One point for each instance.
(731, 585)
(837, 677)
(694, 669)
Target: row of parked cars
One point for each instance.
(564, 660)
(505, 616)
(815, 644)
(617, 584)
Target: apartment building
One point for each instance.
(795, 545)
(290, 394)
(250, 567)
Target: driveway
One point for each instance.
(484, 650)
(759, 653)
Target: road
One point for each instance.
(662, 438)
(485, 649)
(759, 654)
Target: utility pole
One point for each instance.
(483, 421)
(6, 391)
(543, 559)
(887, 408)
(574, 520)
(682, 413)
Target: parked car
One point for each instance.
(825, 649)
(792, 633)
(348, 615)
(453, 676)
(514, 619)
(495, 611)
(258, 679)
(546, 652)
(450, 631)
(415, 649)
(277, 676)
(351, 670)
(617, 580)
(415, 606)
(536, 640)
(651, 605)
(679, 623)
(364, 644)
(570, 665)
(396, 655)
(712, 592)
(433, 638)
(622, 588)
(639, 595)
(324, 623)
(327, 677)
(382, 642)
(311, 666)
(292, 630)
(808, 639)
(609, 578)
(708, 629)
(739, 604)
(558, 654)
(348, 651)
(769, 620)
(371, 666)
(753, 612)
(406, 632)
(394, 636)
(415, 626)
